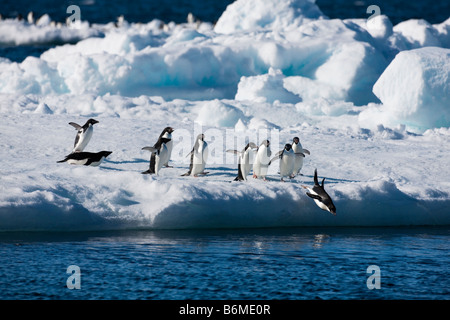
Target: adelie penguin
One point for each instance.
(262, 160)
(84, 134)
(86, 158)
(161, 152)
(167, 134)
(244, 165)
(320, 196)
(300, 154)
(287, 161)
(199, 156)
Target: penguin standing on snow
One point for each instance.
(158, 150)
(287, 161)
(84, 134)
(320, 196)
(159, 156)
(86, 158)
(243, 161)
(262, 160)
(167, 134)
(298, 150)
(199, 156)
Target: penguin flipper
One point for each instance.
(186, 174)
(306, 151)
(64, 160)
(233, 151)
(299, 154)
(313, 196)
(274, 158)
(75, 125)
(151, 149)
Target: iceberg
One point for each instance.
(368, 99)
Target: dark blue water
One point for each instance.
(291, 264)
(104, 11)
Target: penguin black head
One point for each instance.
(296, 140)
(105, 153)
(168, 129)
(266, 143)
(201, 137)
(287, 146)
(91, 121)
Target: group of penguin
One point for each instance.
(291, 159)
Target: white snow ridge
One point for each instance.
(369, 100)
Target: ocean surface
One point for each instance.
(279, 263)
(287, 264)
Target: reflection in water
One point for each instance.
(320, 240)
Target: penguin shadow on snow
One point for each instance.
(329, 179)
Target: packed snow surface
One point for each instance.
(369, 100)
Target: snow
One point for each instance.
(415, 88)
(369, 100)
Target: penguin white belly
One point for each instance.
(77, 162)
(261, 165)
(84, 139)
(161, 158)
(298, 159)
(287, 164)
(199, 161)
(169, 152)
(97, 163)
(245, 165)
(321, 205)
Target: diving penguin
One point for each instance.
(320, 196)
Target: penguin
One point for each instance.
(287, 161)
(243, 161)
(262, 160)
(84, 134)
(30, 17)
(298, 150)
(86, 158)
(167, 134)
(199, 156)
(160, 155)
(320, 196)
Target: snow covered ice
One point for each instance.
(369, 100)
